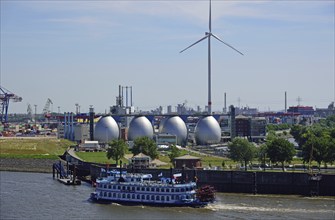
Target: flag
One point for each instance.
(176, 175)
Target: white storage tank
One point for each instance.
(207, 131)
(176, 126)
(106, 130)
(140, 126)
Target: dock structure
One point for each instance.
(63, 176)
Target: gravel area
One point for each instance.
(27, 165)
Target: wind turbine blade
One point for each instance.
(210, 16)
(216, 37)
(195, 43)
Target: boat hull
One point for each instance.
(195, 204)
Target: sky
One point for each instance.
(81, 51)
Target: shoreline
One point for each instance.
(27, 165)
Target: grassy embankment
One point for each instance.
(33, 148)
(31, 154)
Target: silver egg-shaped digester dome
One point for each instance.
(106, 129)
(140, 126)
(207, 131)
(176, 126)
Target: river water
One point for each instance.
(38, 196)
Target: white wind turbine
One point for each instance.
(208, 35)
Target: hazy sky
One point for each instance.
(80, 51)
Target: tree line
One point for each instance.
(316, 142)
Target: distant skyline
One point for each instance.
(80, 51)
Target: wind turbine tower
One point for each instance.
(208, 35)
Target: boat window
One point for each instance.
(142, 188)
(105, 194)
(143, 197)
(133, 196)
(167, 190)
(114, 195)
(114, 187)
(128, 196)
(163, 198)
(119, 195)
(118, 187)
(152, 189)
(157, 189)
(152, 197)
(177, 197)
(177, 190)
(148, 197)
(182, 189)
(172, 190)
(123, 187)
(147, 189)
(123, 195)
(138, 197)
(109, 194)
(172, 197)
(163, 190)
(137, 188)
(157, 197)
(168, 198)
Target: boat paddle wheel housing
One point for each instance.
(206, 194)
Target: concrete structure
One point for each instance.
(242, 125)
(207, 131)
(257, 128)
(81, 133)
(166, 139)
(106, 130)
(140, 126)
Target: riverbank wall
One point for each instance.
(27, 165)
(223, 181)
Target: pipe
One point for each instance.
(126, 96)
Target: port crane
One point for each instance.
(5, 97)
(46, 109)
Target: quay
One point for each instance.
(63, 176)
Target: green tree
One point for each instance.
(262, 154)
(330, 157)
(146, 146)
(174, 152)
(116, 150)
(280, 150)
(241, 150)
(317, 145)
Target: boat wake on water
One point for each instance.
(247, 208)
